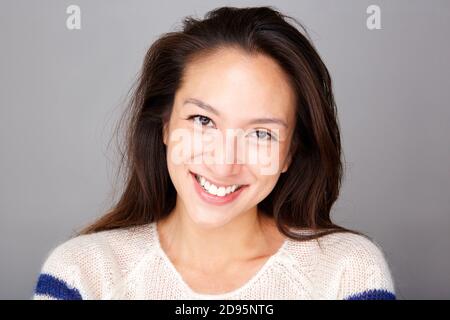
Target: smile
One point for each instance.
(213, 193)
(211, 188)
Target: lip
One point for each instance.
(212, 199)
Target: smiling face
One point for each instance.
(229, 134)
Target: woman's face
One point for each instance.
(229, 134)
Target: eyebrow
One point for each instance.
(208, 107)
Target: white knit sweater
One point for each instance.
(130, 264)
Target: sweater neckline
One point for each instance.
(182, 282)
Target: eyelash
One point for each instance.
(194, 117)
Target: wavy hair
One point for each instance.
(304, 194)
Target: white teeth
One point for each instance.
(213, 189)
(221, 191)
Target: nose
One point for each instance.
(226, 159)
(225, 170)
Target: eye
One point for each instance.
(202, 120)
(263, 135)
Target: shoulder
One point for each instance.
(352, 248)
(72, 267)
(354, 263)
(341, 247)
(121, 244)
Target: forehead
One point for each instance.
(230, 79)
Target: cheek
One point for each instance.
(264, 185)
(267, 158)
(180, 146)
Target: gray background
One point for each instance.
(62, 91)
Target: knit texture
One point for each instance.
(130, 263)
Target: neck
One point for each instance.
(189, 244)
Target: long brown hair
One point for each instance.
(305, 193)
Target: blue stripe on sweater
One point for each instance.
(56, 288)
(374, 294)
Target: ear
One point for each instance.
(165, 132)
(291, 153)
(287, 163)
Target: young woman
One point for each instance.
(233, 161)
